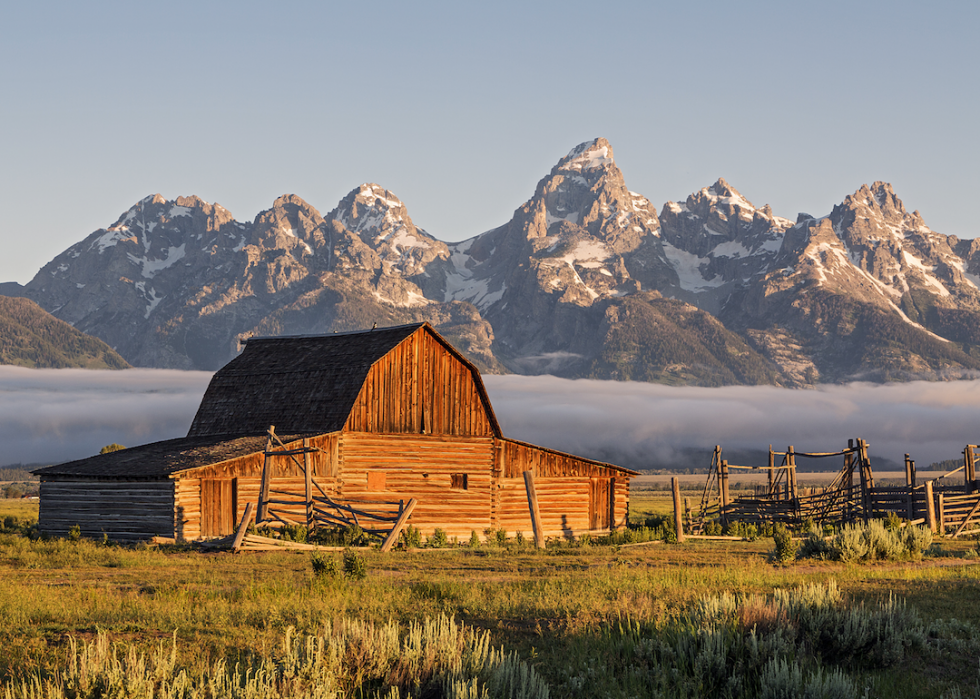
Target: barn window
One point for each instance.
(376, 480)
(459, 481)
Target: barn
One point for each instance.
(367, 418)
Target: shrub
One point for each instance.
(75, 533)
(784, 680)
(814, 545)
(883, 544)
(474, 540)
(848, 544)
(784, 549)
(324, 566)
(109, 448)
(438, 540)
(354, 566)
(500, 536)
(353, 536)
(293, 532)
(411, 537)
(917, 540)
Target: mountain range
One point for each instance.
(587, 279)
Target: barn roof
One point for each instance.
(161, 459)
(301, 384)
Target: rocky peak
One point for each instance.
(718, 240)
(385, 235)
(587, 157)
(290, 223)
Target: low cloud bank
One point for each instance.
(653, 426)
(53, 415)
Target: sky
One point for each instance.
(460, 108)
(54, 415)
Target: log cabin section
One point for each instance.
(389, 414)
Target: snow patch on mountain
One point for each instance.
(150, 268)
(933, 284)
(110, 238)
(586, 156)
(587, 253)
(688, 268)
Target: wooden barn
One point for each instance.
(371, 418)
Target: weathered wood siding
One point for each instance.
(575, 495)
(241, 479)
(123, 510)
(420, 387)
(398, 467)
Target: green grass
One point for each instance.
(559, 609)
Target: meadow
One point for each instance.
(702, 618)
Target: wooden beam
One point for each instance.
(308, 478)
(399, 525)
(263, 513)
(532, 505)
(243, 526)
(930, 508)
(675, 487)
(969, 462)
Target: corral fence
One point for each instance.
(946, 506)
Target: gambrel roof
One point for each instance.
(303, 384)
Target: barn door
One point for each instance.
(218, 507)
(600, 503)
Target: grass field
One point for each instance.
(590, 620)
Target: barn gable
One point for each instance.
(397, 380)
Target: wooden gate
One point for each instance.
(218, 507)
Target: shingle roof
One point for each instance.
(299, 384)
(161, 459)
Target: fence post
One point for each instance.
(930, 508)
(724, 491)
(266, 477)
(772, 464)
(908, 470)
(791, 465)
(532, 503)
(675, 487)
(308, 475)
(970, 468)
(912, 469)
(941, 514)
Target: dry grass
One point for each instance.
(226, 606)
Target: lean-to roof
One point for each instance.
(161, 459)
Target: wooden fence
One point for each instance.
(946, 507)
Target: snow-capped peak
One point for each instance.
(588, 156)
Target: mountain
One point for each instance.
(867, 292)
(31, 337)
(176, 283)
(586, 279)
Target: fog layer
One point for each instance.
(52, 415)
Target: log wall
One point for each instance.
(575, 495)
(197, 520)
(123, 510)
(398, 467)
(420, 387)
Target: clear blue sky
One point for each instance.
(460, 107)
